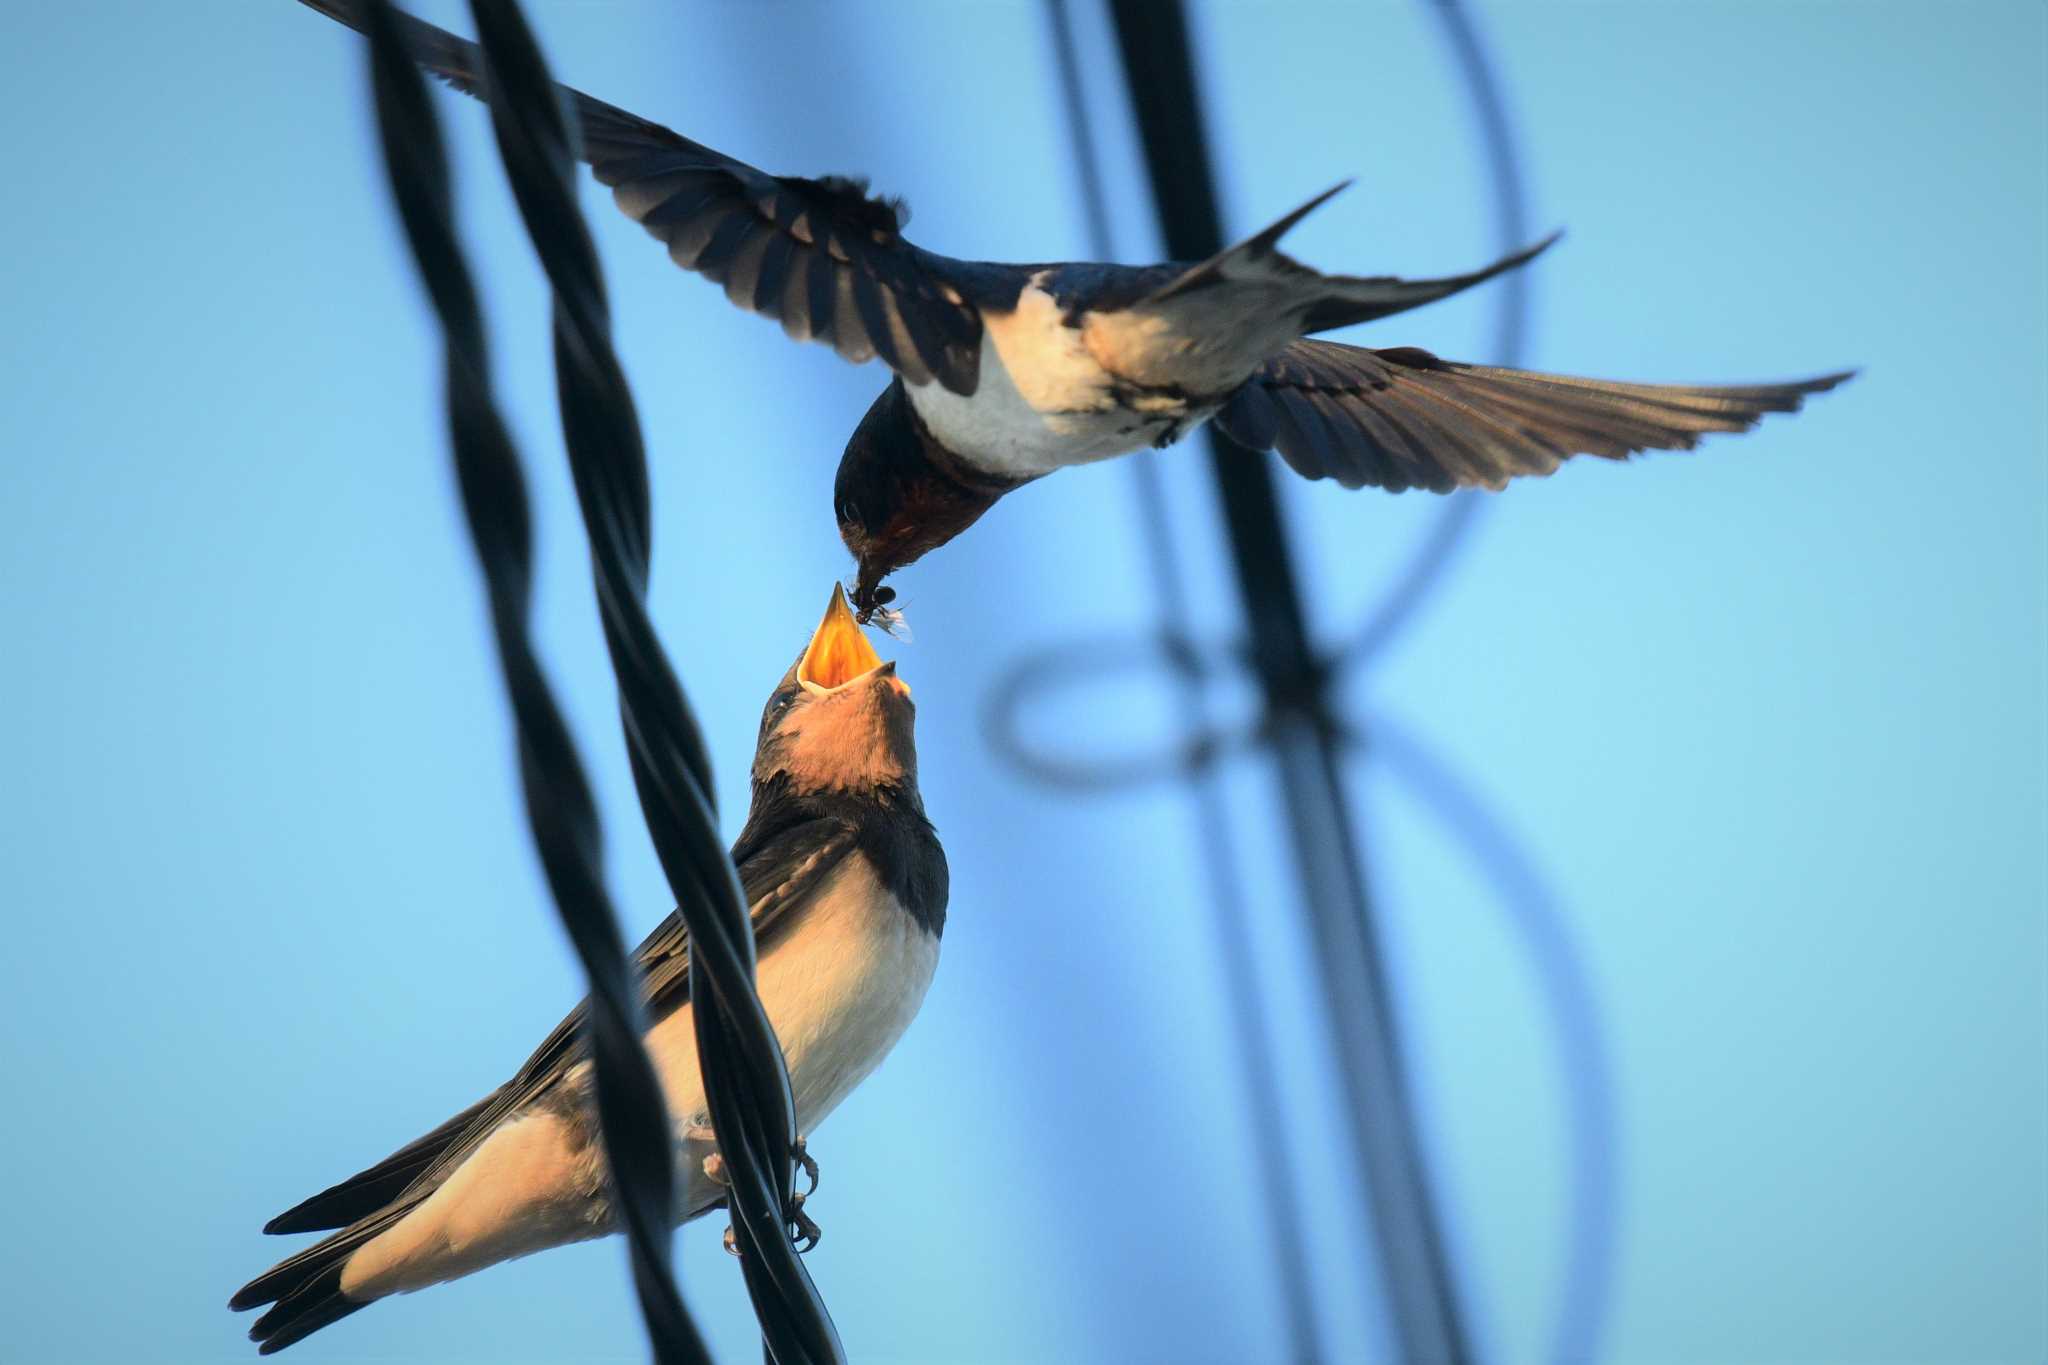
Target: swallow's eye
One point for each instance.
(778, 707)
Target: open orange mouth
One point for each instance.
(839, 651)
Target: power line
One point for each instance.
(747, 1088)
(1223, 877)
(560, 810)
(1532, 909)
(1305, 737)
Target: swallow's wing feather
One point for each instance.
(779, 872)
(782, 865)
(821, 256)
(370, 1190)
(1402, 418)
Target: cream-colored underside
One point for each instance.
(840, 989)
(1047, 395)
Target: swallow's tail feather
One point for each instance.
(306, 1288)
(1361, 298)
(365, 1192)
(1330, 301)
(1256, 255)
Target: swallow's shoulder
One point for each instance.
(1080, 287)
(897, 838)
(986, 286)
(884, 828)
(1076, 287)
(794, 840)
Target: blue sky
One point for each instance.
(1766, 720)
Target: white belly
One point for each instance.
(1045, 398)
(840, 989)
(1051, 395)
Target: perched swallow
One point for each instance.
(847, 887)
(1005, 373)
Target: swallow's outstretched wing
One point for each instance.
(780, 869)
(778, 876)
(822, 256)
(1402, 418)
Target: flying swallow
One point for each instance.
(1005, 373)
(846, 884)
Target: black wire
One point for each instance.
(1306, 738)
(1586, 1292)
(1224, 879)
(746, 1084)
(560, 810)
(742, 1063)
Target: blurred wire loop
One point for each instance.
(1199, 671)
(1168, 656)
(1076, 666)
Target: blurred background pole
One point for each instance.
(1305, 737)
(1230, 907)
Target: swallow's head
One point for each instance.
(900, 493)
(841, 719)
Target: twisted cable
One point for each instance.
(746, 1083)
(560, 810)
(747, 1087)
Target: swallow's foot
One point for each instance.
(803, 1233)
(807, 1163)
(801, 1228)
(714, 1165)
(715, 1172)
